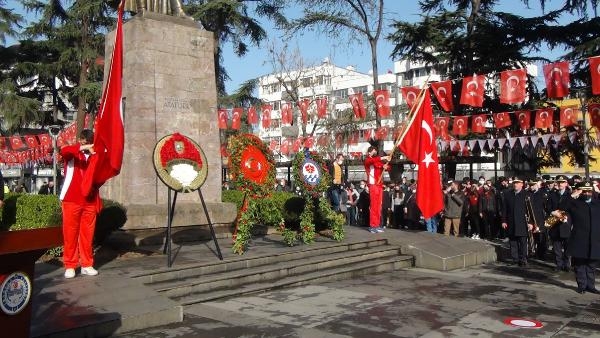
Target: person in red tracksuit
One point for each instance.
(79, 212)
(374, 167)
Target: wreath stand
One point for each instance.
(171, 212)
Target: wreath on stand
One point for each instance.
(308, 170)
(253, 172)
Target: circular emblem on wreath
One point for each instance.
(311, 172)
(180, 163)
(15, 292)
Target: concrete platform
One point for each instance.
(115, 302)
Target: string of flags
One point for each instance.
(513, 90)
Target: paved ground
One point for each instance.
(408, 303)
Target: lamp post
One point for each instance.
(54, 130)
(586, 150)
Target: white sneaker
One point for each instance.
(89, 271)
(69, 273)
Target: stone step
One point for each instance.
(271, 272)
(244, 262)
(337, 273)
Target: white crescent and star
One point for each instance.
(522, 116)
(469, 84)
(478, 121)
(439, 92)
(411, 97)
(428, 156)
(508, 82)
(379, 101)
(544, 115)
(598, 69)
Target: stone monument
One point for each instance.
(169, 86)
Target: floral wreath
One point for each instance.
(251, 165)
(180, 163)
(253, 171)
(310, 169)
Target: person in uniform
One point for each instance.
(514, 221)
(538, 199)
(584, 241)
(559, 233)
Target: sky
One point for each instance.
(315, 48)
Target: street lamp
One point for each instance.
(54, 130)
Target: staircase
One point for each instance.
(198, 283)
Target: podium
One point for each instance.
(19, 250)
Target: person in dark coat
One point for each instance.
(538, 199)
(584, 241)
(412, 214)
(488, 209)
(559, 234)
(515, 223)
(363, 204)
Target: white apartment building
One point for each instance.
(325, 80)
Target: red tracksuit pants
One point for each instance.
(375, 194)
(79, 222)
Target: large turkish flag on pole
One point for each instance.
(419, 146)
(109, 136)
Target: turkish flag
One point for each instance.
(594, 111)
(382, 133)
(16, 143)
(443, 93)
(460, 125)
(368, 134)
(358, 105)
(353, 139)
(595, 74)
(410, 95)
(266, 116)
(339, 139)
(472, 90)
(273, 145)
(109, 136)
(303, 106)
(252, 115)
(285, 146)
(502, 120)
(478, 123)
(297, 144)
(222, 114)
(513, 88)
(286, 113)
(309, 141)
(236, 118)
(524, 119)
(323, 140)
(382, 102)
(45, 140)
(322, 107)
(544, 118)
(568, 116)
(441, 127)
(31, 141)
(419, 146)
(557, 79)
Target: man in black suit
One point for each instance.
(538, 199)
(584, 242)
(559, 234)
(515, 223)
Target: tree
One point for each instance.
(231, 23)
(357, 18)
(73, 35)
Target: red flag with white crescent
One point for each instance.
(441, 127)
(16, 143)
(502, 120)
(297, 144)
(443, 93)
(322, 107)
(382, 102)
(524, 119)
(544, 118)
(252, 115)
(236, 118)
(286, 113)
(594, 111)
(568, 116)
(382, 133)
(419, 146)
(595, 74)
(460, 125)
(358, 105)
(45, 140)
(222, 116)
(266, 116)
(410, 95)
(303, 106)
(31, 141)
(472, 90)
(309, 141)
(557, 78)
(513, 86)
(478, 123)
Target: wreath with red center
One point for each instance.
(310, 173)
(180, 163)
(251, 165)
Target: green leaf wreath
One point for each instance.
(253, 172)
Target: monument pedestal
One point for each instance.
(169, 86)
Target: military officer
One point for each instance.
(514, 221)
(559, 234)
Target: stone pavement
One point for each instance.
(414, 302)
